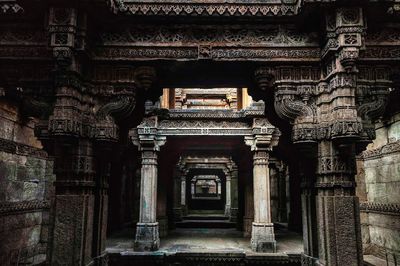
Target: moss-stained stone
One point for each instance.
(34, 235)
(385, 237)
(30, 191)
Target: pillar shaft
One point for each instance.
(177, 198)
(338, 218)
(249, 207)
(147, 233)
(228, 196)
(234, 195)
(263, 237)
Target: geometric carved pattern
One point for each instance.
(206, 8)
(380, 207)
(7, 208)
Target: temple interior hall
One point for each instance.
(200, 132)
(206, 200)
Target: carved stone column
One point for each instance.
(273, 171)
(177, 195)
(234, 194)
(183, 195)
(147, 229)
(228, 194)
(262, 237)
(265, 137)
(248, 206)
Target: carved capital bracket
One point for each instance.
(265, 136)
(295, 89)
(145, 135)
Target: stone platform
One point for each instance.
(205, 247)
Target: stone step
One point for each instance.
(205, 224)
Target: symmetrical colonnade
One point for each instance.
(261, 139)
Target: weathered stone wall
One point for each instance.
(379, 191)
(26, 176)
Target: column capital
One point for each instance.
(147, 139)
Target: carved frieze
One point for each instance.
(380, 152)
(192, 35)
(10, 7)
(7, 208)
(207, 8)
(383, 208)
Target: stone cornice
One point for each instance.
(207, 8)
(23, 206)
(21, 149)
(387, 149)
(215, 114)
(384, 208)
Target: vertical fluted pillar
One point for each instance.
(149, 143)
(183, 195)
(234, 194)
(147, 236)
(228, 195)
(262, 237)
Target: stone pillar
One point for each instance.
(338, 216)
(262, 237)
(282, 201)
(147, 229)
(177, 197)
(234, 194)
(274, 191)
(248, 207)
(228, 195)
(183, 195)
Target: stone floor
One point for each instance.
(207, 240)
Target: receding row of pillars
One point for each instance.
(262, 228)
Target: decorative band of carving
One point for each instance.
(343, 184)
(380, 207)
(382, 151)
(209, 8)
(223, 114)
(10, 6)
(21, 149)
(23, 206)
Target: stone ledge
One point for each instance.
(8, 208)
(21, 149)
(389, 148)
(383, 208)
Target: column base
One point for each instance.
(263, 238)
(228, 210)
(178, 213)
(147, 237)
